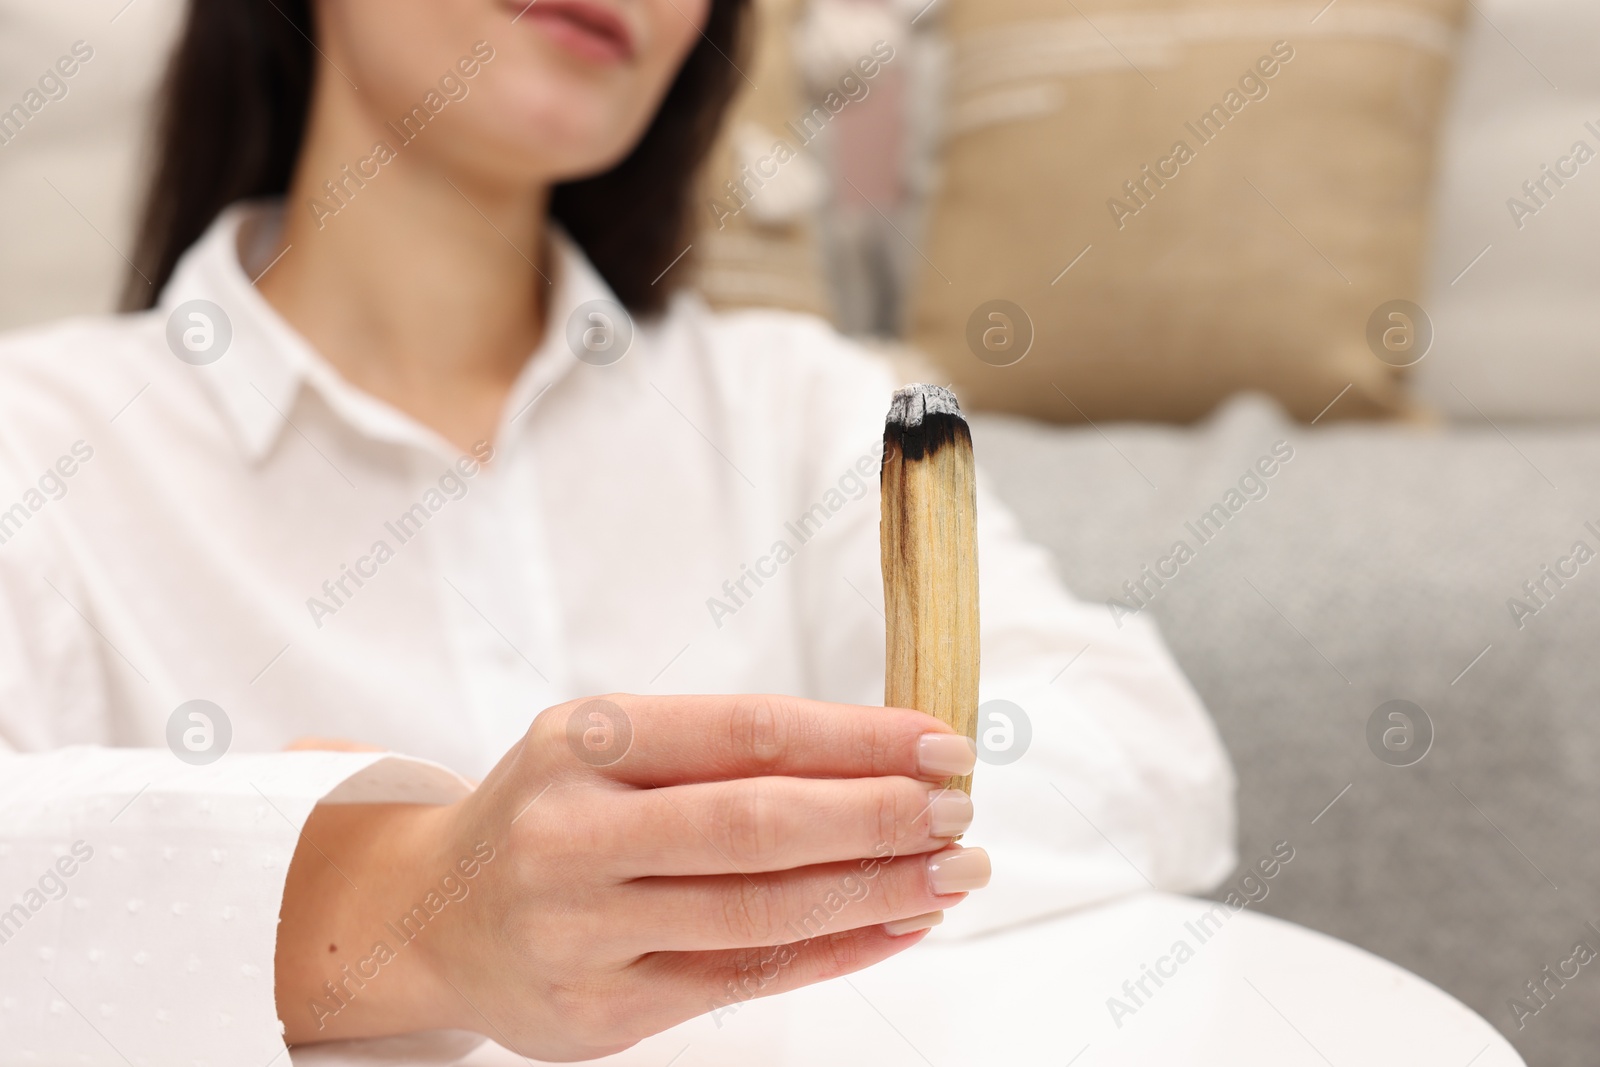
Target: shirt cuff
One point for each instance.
(147, 895)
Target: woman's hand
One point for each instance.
(631, 863)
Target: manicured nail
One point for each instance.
(957, 870)
(945, 755)
(902, 927)
(949, 813)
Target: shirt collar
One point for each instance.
(260, 376)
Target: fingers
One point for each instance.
(721, 981)
(673, 740)
(748, 911)
(776, 824)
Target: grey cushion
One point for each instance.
(1377, 567)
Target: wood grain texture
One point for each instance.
(928, 536)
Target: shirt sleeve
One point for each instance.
(143, 895)
(139, 895)
(1115, 779)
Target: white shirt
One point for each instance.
(179, 522)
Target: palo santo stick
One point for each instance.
(929, 540)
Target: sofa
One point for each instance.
(1375, 565)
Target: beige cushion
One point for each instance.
(71, 178)
(1259, 261)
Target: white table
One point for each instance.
(1256, 991)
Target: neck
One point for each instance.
(421, 287)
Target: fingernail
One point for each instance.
(949, 813)
(945, 755)
(902, 927)
(957, 870)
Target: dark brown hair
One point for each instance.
(234, 109)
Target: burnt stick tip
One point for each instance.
(921, 420)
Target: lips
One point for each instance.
(589, 30)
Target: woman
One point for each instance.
(414, 440)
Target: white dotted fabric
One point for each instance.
(144, 897)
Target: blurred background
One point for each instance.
(1151, 242)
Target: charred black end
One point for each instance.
(923, 419)
(926, 438)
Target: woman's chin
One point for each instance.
(548, 142)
